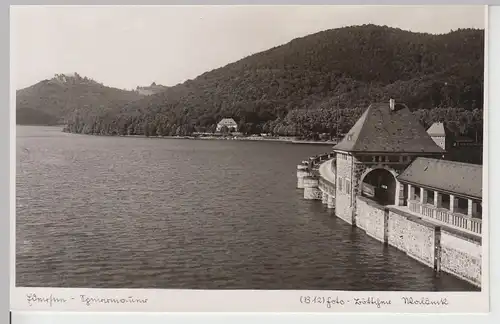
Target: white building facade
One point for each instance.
(229, 123)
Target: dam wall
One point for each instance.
(441, 247)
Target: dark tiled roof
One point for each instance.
(462, 179)
(380, 129)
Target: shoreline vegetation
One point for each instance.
(242, 138)
(215, 136)
(224, 137)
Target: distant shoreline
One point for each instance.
(243, 138)
(205, 138)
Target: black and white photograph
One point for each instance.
(332, 148)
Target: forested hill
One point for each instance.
(315, 83)
(50, 102)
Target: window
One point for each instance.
(477, 210)
(348, 186)
(462, 206)
(340, 184)
(416, 193)
(445, 201)
(430, 197)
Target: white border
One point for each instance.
(12, 149)
(245, 300)
(485, 242)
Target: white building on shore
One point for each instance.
(229, 123)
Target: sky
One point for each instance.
(127, 46)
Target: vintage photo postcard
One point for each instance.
(249, 158)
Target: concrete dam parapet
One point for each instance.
(443, 247)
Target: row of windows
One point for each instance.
(461, 205)
(378, 158)
(385, 158)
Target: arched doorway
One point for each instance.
(380, 185)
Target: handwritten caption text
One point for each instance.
(336, 301)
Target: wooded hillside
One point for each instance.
(315, 84)
(51, 102)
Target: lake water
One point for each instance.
(114, 212)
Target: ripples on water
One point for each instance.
(112, 212)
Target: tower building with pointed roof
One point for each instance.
(390, 178)
(380, 145)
